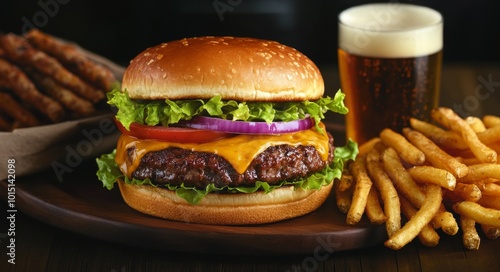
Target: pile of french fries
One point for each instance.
(433, 178)
(45, 80)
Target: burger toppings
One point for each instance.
(223, 137)
(167, 112)
(239, 150)
(248, 163)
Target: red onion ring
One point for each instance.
(241, 127)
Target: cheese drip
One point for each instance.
(239, 150)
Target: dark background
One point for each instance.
(119, 30)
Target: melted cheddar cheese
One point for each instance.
(239, 150)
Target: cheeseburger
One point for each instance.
(223, 130)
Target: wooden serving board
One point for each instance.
(80, 204)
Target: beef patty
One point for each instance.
(198, 169)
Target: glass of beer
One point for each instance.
(390, 58)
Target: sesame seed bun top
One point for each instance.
(242, 69)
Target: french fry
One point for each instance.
(379, 146)
(428, 174)
(422, 218)
(491, 120)
(490, 135)
(461, 159)
(478, 213)
(470, 237)
(427, 236)
(451, 120)
(406, 150)
(446, 221)
(388, 193)
(362, 187)
(467, 191)
(468, 161)
(490, 188)
(475, 123)
(443, 138)
(401, 179)
(495, 146)
(373, 209)
(346, 182)
(343, 198)
(367, 146)
(435, 155)
(407, 187)
(480, 172)
(490, 201)
(490, 232)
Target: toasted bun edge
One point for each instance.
(225, 209)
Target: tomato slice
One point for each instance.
(172, 134)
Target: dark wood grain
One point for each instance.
(42, 247)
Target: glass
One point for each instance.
(390, 58)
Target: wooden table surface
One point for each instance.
(40, 246)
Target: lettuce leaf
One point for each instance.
(108, 173)
(168, 112)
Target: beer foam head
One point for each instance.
(391, 30)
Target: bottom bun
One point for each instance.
(225, 209)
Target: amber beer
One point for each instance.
(390, 59)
